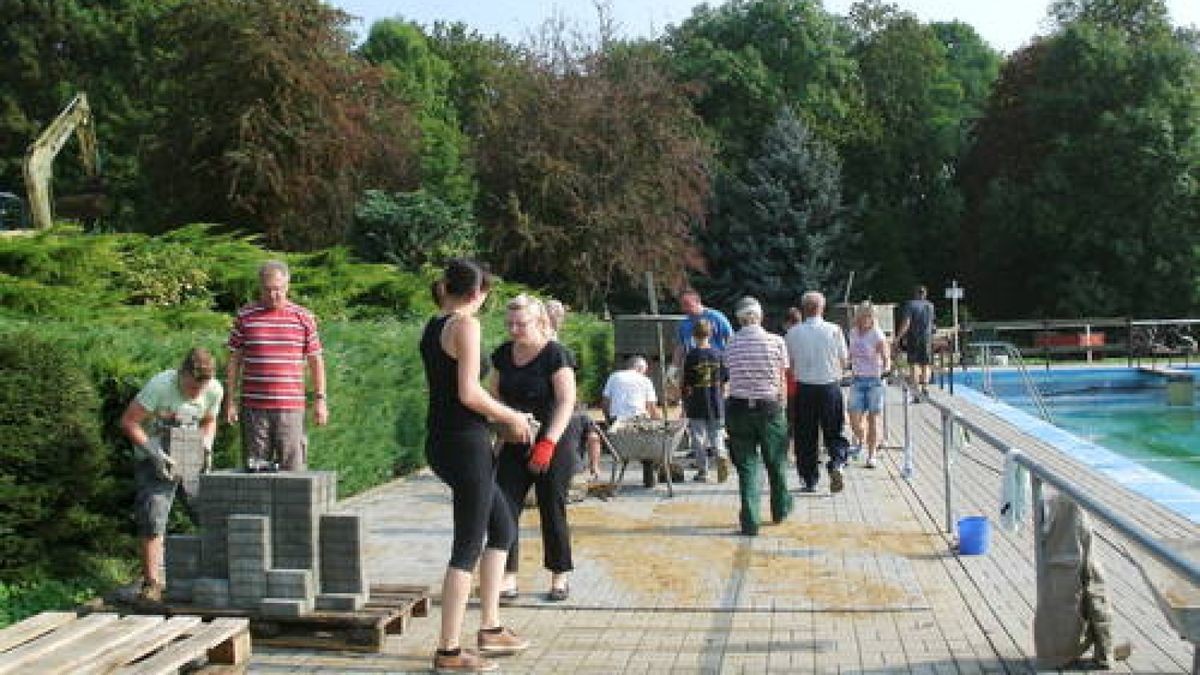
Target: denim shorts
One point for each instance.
(866, 395)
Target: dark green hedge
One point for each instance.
(54, 467)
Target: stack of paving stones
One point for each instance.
(268, 543)
(343, 573)
(182, 560)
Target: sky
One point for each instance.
(1005, 24)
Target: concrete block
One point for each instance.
(182, 556)
(178, 590)
(290, 583)
(255, 564)
(238, 522)
(341, 602)
(210, 592)
(343, 568)
(284, 607)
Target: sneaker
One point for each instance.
(151, 591)
(836, 482)
(503, 641)
(701, 477)
(808, 488)
(722, 469)
(561, 594)
(462, 661)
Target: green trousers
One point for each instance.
(757, 437)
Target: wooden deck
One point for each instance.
(860, 582)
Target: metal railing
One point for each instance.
(1040, 475)
(1013, 355)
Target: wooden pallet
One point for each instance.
(62, 642)
(387, 612)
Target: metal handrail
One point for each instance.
(1014, 354)
(1182, 566)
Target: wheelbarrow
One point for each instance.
(645, 440)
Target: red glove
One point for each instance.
(540, 455)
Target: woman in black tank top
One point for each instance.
(458, 450)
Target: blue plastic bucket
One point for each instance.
(973, 534)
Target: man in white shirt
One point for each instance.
(628, 393)
(818, 356)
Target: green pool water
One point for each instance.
(1124, 410)
(1161, 438)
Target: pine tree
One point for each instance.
(784, 228)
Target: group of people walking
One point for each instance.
(732, 382)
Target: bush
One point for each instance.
(200, 275)
(28, 597)
(52, 461)
(165, 275)
(411, 229)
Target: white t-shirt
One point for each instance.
(628, 392)
(816, 350)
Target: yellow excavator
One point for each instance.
(75, 118)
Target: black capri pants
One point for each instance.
(551, 488)
(464, 462)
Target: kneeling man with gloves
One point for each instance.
(171, 423)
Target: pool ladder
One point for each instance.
(987, 350)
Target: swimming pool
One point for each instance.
(1117, 420)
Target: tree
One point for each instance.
(421, 80)
(52, 49)
(746, 59)
(904, 168)
(1083, 184)
(592, 170)
(475, 62)
(783, 229)
(269, 123)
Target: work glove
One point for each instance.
(164, 466)
(540, 455)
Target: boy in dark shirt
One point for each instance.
(704, 377)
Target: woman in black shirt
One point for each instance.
(534, 374)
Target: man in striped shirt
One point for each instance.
(754, 414)
(271, 343)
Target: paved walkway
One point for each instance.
(860, 582)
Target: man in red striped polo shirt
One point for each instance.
(271, 342)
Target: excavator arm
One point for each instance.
(39, 158)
